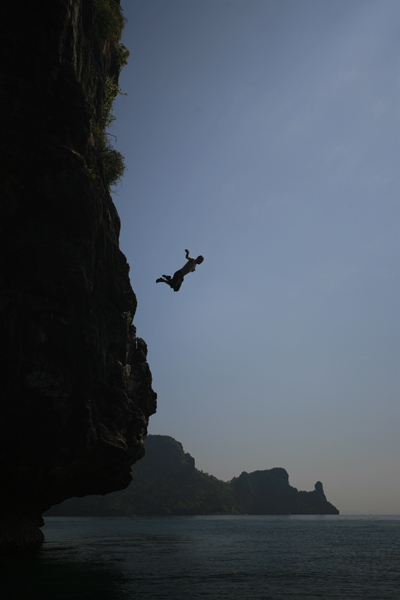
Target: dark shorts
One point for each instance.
(176, 281)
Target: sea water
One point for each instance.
(210, 557)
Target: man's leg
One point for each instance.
(176, 281)
(166, 279)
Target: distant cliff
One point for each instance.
(269, 493)
(166, 482)
(75, 387)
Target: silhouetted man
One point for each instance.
(176, 281)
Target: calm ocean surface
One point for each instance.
(214, 557)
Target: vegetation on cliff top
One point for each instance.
(110, 24)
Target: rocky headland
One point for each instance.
(166, 482)
(75, 387)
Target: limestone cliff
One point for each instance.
(268, 492)
(75, 385)
(166, 482)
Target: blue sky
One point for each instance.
(264, 135)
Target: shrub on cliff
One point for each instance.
(109, 19)
(112, 161)
(110, 24)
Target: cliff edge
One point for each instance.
(75, 390)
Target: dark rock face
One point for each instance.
(75, 391)
(19, 534)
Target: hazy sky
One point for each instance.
(264, 134)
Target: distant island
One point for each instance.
(166, 482)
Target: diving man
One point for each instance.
(176, 281)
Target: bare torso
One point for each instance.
(189, 267)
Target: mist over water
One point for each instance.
(215, 557)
